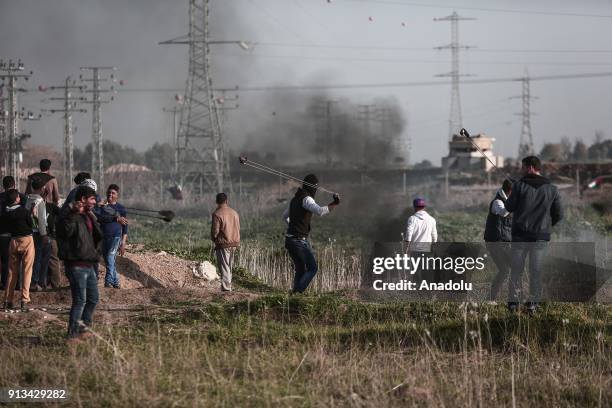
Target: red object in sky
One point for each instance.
(42, 88)
(121, 82)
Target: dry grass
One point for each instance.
(323, 351)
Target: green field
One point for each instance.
(327, 349)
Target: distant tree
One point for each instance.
(601, 150)
(580, 152)
(425, 164)
(566, 148)
(114, 153)
(552, 152)
(160, 157)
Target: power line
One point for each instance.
(412, 61)
(428, 49)
(487, 9)
(264, 88)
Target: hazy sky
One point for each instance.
(55, 37)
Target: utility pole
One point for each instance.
(526, 141)
(223, 99)
(326, 130)
(455, 121)
(97, 146)
(12, 139)
(174, 111)
(365, 113)
(201, 147)
(69, 107)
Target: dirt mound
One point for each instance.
(145, 269)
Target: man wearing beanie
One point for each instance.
(298, 216)
(421, 229)
(420, 233)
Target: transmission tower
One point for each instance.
(12, 148)
(455, 121)
(326, 128)
(69, 107)
(97, 147)
(201, 149)
(526, 142)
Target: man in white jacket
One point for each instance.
(36, 205)
(420, 230)
(420, 233)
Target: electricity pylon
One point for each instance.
(69, 107)
(201, 147)
(455, 121)
(11, 137)
(526, 141)
(97, 147)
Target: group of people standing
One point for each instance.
(38, 228)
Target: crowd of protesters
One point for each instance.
(38, 228)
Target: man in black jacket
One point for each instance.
(8, 183)
(79, 237)
(535, 205)
(19, 224)
(498, 235)
(298, 216)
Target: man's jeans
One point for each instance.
(84, 288)
(109, 250)
(41, 260)
(520, 250)
(305, 263)
(501, 253)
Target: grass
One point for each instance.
(322, 349)
(326, 350)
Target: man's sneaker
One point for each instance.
(108, 285)
(25, 307)
(513, 307)
(531, 307)
(8, 305)
(117, 286)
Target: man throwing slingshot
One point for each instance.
(298, 216)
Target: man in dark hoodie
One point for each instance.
(298, 216)
(79, 238)
(50, 190)
(535, 205)
(8, 183)
(498, 236)
(19, 223)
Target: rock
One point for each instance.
(162, 253)
(206, 271)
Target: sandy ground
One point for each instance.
(149, 281)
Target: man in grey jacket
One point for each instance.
(535, 205)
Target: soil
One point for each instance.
(149, 280)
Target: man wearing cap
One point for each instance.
(298, 216)
(421, 230)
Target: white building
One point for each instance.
(463, 155)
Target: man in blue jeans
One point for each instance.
(79, 237)
(112, 218)
(298, 216)
(535, 205)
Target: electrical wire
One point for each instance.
(487, 9)
(266, 88)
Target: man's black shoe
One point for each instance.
(513, 307)
(108, 285)
(117, 286)
(8, 305)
